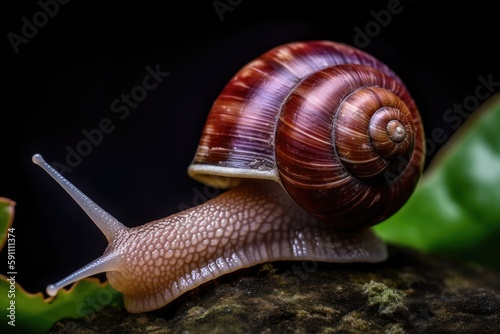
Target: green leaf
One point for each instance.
(455, 210)
(32, 313)
(25, 312)
(6, 218)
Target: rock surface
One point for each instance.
(409, 293)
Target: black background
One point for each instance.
(66, 77)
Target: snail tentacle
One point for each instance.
(108, 224)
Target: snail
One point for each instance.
(315, 142)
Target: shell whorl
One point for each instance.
(335, 126)
(357, 142)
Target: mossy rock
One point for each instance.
(410, 293)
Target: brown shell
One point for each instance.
(332, 124)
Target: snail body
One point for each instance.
(317, 140)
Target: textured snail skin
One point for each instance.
(316, 140)
(253, 223)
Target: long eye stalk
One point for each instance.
(108, 224)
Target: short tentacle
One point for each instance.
(105, 263)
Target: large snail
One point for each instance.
(317, 140)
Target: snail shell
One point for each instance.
(335, 126)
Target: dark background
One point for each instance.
(65, 78)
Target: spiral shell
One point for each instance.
(335, 126)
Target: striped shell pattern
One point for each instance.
(335, 126)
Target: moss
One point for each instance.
(387, 300)
(356, 321)
(394, 329)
